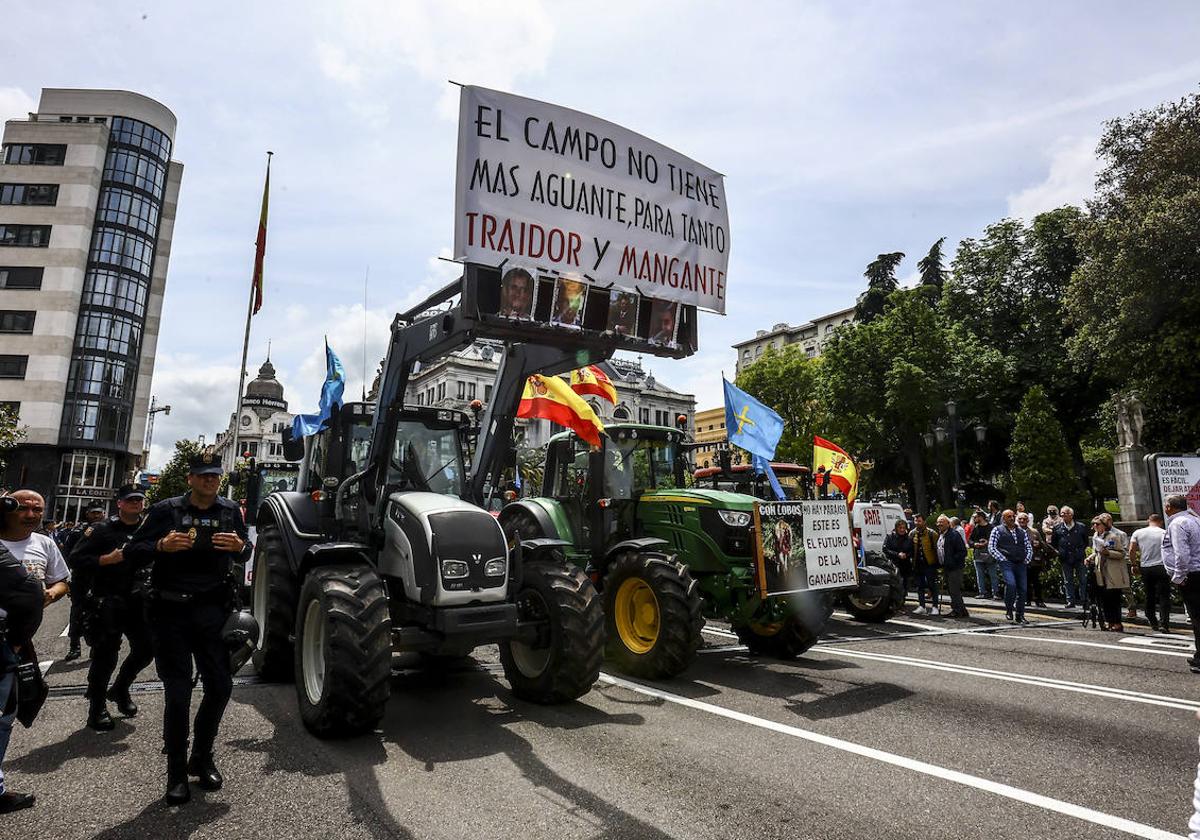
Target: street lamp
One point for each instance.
(950, 426)
(154, 409)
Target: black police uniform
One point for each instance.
(76, 621)
(191, 597)
(114, 606)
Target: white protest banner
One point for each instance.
(573, 195)
(1179, 474)
(828, 549)
(802, 546)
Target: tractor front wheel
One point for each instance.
(652, 615)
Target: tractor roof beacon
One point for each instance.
(384, 544)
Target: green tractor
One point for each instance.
(664, 557)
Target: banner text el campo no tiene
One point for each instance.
(574, 195)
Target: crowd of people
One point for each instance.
(160, 580)
(1011, 554)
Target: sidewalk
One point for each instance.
(1179, 621)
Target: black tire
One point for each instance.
(795, 634)
(519, 524)
(671, 644)
(344, 689)
(568, 663)
(877, 609)
(274, 608)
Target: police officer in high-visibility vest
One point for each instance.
(111, 590)
(192, 541)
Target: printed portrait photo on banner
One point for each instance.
(569, 299)
(664, 322)
(517, 292)
(622, 312)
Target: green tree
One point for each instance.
(881, 282)
(172, 479)
(787, 380)
(1042, 473)
(1135, 300)
(932, 272)
(11, 434)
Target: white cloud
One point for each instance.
(201, 396)
(15, 104)
(1071, 180)
(453, 40)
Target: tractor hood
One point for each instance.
(721, 499)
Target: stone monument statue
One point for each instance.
(1133, 481)
(1129, 420)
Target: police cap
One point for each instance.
(127, 492)
(205, 463)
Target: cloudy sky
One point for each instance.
(843, 129)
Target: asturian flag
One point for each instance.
(839, 466)
(592, 380)
(754, 427)
(304, 425)
(550, 398)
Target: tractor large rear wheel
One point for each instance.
(795, 634)
(343, 650)
(652, 615)
(564, 662)
(274, 592)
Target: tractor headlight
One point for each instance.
(495, 567)
(735, 518)
(455, 569)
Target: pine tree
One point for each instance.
(881, 282)
(1041, 466)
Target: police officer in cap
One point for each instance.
(95, 514)
(113, 605)
(192, 541)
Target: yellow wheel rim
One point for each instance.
(766, 629)
(637, 615)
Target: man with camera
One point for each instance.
(22, 599)
(192, 541)
(110, 590)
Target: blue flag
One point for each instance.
(755, 428)
(331, 394)
(750, 424)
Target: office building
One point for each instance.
(811, 336)
(88, 194)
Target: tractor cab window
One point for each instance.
(425, 458)
(571, 475)
(317, 460)
(634, 465)
(360, 445)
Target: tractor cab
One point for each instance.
(598, 489)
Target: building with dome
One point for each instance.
(260, 428)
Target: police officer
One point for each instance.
(192, 541)
(94, 515)
(113, 604)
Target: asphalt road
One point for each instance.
(921, 728)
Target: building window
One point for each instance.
(116, 290)
(13, 367)
(252, 448)
(136, 169)
(462, 390)
(644, 415)
(620, 413)
(441, 391)
(122, 206)
(100, 377)
(99, 422)
(14, 277)
(136, 133)
(35, 154)
(16, 321)
(41, 195)
(487, 393)
(113, 333)
(84, 479)
(31, 236)
(128, 250)
(470, 390)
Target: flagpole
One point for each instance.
(237, 417)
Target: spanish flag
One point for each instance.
(592, 380)
(260, 244)
(549, 398)
(838, 466)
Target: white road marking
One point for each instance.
(65, 632)
(1024, 679)
(1069, 809)
(723, 649)
(1093, 644)
(1159, 641)
(45, 665)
